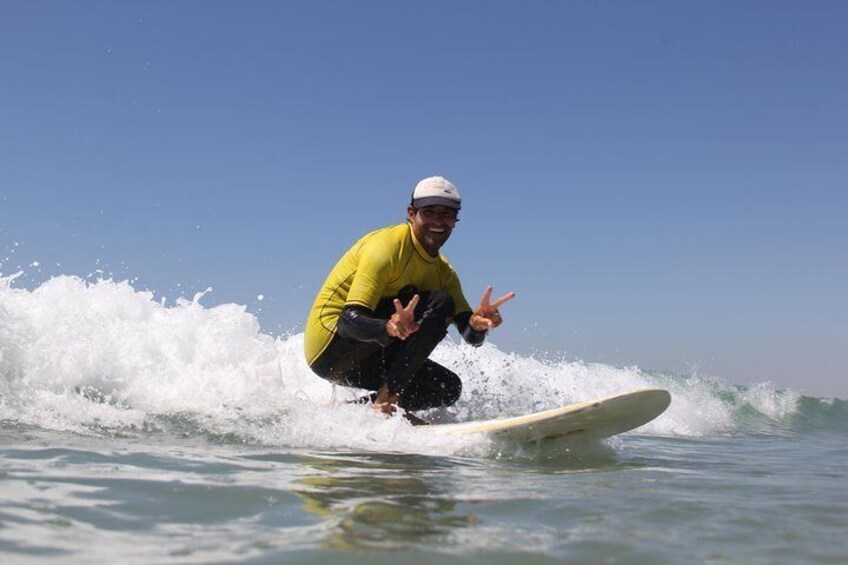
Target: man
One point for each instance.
(389, 301)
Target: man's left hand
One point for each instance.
(487, 316)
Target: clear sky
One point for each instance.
(663, 183)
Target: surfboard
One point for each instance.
(594, 419)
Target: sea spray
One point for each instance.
(100, 357)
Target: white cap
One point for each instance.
(436, 191)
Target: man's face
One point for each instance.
(432, 226)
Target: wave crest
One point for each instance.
(102, 357)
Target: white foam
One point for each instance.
(82, 356)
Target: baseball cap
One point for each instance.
(436, 191)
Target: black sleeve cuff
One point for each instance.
(469, 334)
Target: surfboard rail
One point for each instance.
(601, 417)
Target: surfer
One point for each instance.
(389, 301)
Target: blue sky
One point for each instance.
(662, 183)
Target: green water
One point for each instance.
(753, 498)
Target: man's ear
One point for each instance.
(410, 212)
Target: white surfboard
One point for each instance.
(594, 419)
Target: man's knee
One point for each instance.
(433, 387)
(452, 387)
(440, 306)
(448, 386)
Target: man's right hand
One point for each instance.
(402, 324)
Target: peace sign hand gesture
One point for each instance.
(402, 324)
(487, 315)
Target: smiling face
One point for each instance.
(432, 226)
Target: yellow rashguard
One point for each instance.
(378, 266)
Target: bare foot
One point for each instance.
(415, 420)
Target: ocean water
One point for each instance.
(136, 431)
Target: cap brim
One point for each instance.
(435, 201)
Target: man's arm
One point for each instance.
(360, 324)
